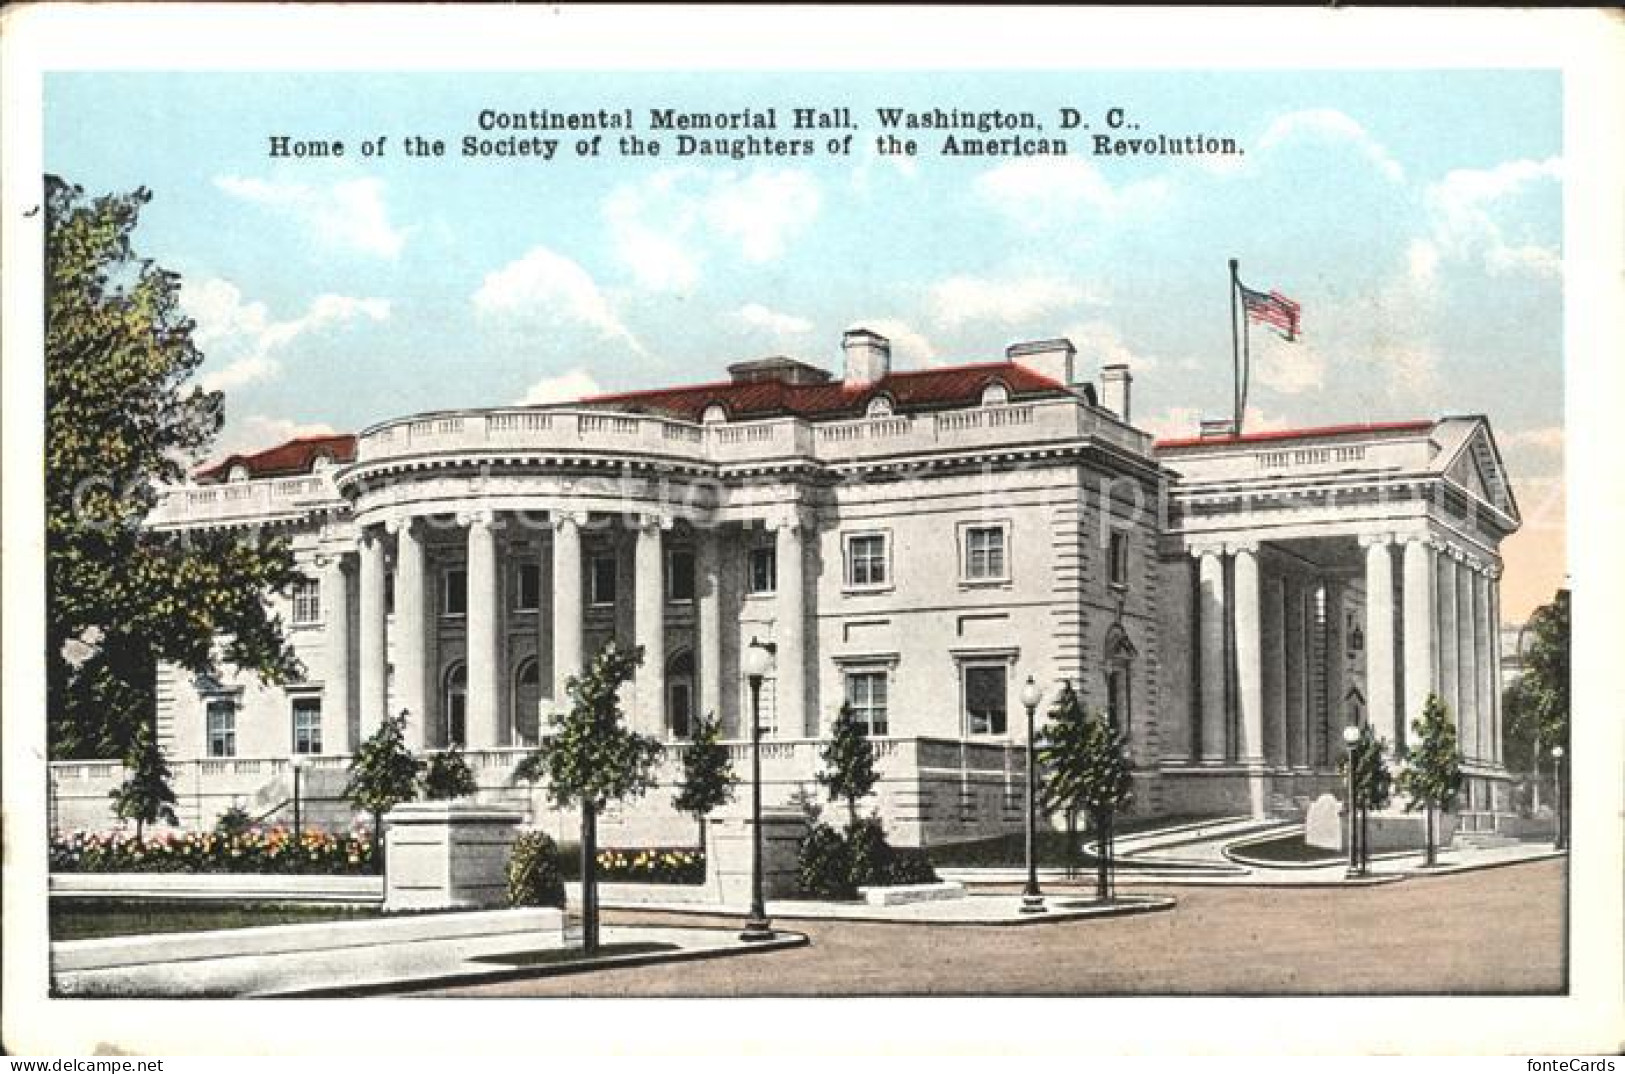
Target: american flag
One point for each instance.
(1273, 309)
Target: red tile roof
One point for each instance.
(924, 388)
(294, 457)
(1295, 434)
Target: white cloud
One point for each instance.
(1289, 368)
(663, 227)
(547, 286)
(1329, 124)
(910, 349)
(1470, 209)
(959, 299)
(259, 431)
(242, 335)
(349, 214)
(756, 315)
(1035, 190)
(567, 387)
(1411, 371)
(1100, 344)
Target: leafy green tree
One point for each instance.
(122, 419)
(383, 774)
(446, 775)
(849, 773)
(708, 775)
(145, 796)
(1373, 783)
(591, 759)
(1536, 706)
(1432, 777)
(1087, 771)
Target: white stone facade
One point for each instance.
(916, 544)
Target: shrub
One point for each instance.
(233, 822)
(824, 867)
(652, 865)
(867, 852)
(272, 850)
(910, 865)
(534, 878)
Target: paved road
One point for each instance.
(1425, 935)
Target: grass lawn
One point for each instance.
(1287, 850)
(88, 919)
(1050, 847)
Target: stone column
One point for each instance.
(1293, 699)
(1210, 613)
(1449, 651)
(1275, 669)
(649, 627)
(335, 591)
(1481, 663)
(1379, 635)
(411, 630)
(790, 663)
(484, 627)
(1304, 611)
(1249, 659)
(1336, 682)
(1493, 579)
(708, 620)
(1421, 646)
(567, 644)
(374, 669)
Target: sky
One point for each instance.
(1415, 216)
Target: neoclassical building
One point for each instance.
(912, 543)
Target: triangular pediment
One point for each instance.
(1476, 467)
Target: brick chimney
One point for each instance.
(1052, 358)
(868, 356)
(1115, 382)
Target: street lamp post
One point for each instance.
(1562, 840)
(297, 763)
(1032, 900)
(1351, 739)
(758, 661)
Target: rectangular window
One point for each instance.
(866, 694)
(602, 581)
(1117, 558)
(986, 691)
(680, 576)
(985, 557)
(455, 600)
(307, 725)
(307, 602)
(762, 570)
(866, 560)
(221, 727)
(528, 588)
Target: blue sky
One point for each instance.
(1415, 216)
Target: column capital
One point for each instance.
(1204, 549)
(480, 519)
(1493, 572)
(330, 559)
(1236, 548)
(646, 522)
(561, 519)
(789, 517)
(1373, 540)
(397, 526)
(1426, 540)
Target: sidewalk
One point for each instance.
(970, 909)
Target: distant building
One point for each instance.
(915, 544)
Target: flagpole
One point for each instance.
(1235, 348)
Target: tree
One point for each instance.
(1373, 785)
(123, 419)
(849, 763)
(708, 775)
(383, 774)
(145, 795)
(590, 759)
(1088, 771)
(1062, 749)
(1432, 777)
(1536, 705)
(447, 776)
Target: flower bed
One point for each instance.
(639, 865)
(257, 850)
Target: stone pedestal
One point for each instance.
(446, 855)
(1390, 829)
(728, 856)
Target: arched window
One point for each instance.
(238, 472)
(879, 407)
(527, 703)
(995, 394)
(1119, 667)
(715, 414)
(320, 462)
(455, 710)
(680, 695)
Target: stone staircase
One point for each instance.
(1484, 840)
